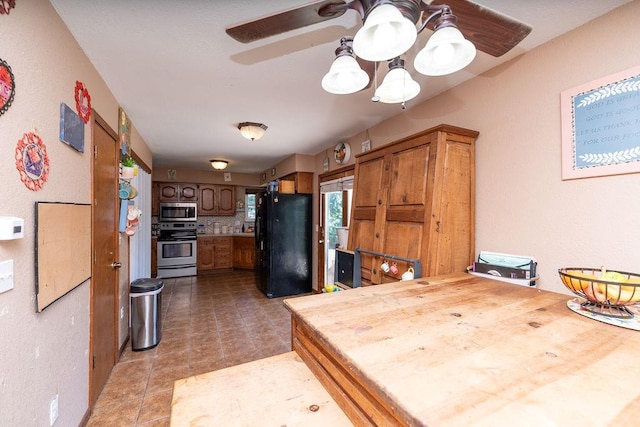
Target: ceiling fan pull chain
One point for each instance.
(375, 98)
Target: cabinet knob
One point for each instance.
(437, 226)
(375, 271)
(377, 235)
(379, 202)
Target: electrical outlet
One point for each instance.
(53, 410)
(121, 312)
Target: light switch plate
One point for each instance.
(6, 275)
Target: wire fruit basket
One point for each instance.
(608, 292)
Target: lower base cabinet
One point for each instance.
(244, 252)
(214, 253)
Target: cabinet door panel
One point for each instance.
(188, 192)
(207, 202)
(169, 192)
(409, 177)
(368, 182)
(226, 200)
(454, 211)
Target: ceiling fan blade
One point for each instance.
(490, 31)
(286, 20)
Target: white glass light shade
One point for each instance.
(446, 52)
(218, 164)
(345, 76)
(252, 131)
(397, 87)
(386, 33)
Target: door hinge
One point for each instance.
(95, 257)
(93, 363)
(95, 151)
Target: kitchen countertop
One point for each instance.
(226, 235)
(464, 350)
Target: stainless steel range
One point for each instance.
(177, 249)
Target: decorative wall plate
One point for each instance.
(83, 101)
(32, 161)
(6, 6)
(7, 86)
(342, 153)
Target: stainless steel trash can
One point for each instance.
(146, 308)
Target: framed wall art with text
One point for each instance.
(601, 126)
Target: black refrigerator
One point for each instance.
(283, 242)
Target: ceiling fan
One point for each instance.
(389, 30)
(489, 31)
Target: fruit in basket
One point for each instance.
(594, 293)
(618, 293)
(580, 281)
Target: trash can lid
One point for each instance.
(145, 285)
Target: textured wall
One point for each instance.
(44, 354)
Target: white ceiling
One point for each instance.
(186, 85)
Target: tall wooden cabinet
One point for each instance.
(414, 198)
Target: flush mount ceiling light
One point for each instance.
(388, 31)
(218, 164)
(252, 130)
(345, 75)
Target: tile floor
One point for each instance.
(209, 322)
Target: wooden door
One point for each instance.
(409, 190)
(155, 208)
(188, 192)
(104, 281)
(205, 253)
(369, 203)
(168, 192)
(226, 200)
(207, 202)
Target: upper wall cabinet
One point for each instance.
(415, 199)
(177, 192)
(216, 199)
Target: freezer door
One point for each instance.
(288, 236)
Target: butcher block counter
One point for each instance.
(461, 350)
(455, 350)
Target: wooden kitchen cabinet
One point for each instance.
(302, 182)
(205, 253)
(414, 198)
(155, 203)
(244, 252)
(216, 199)
(214, 252)
(177, 192)
(154, 256)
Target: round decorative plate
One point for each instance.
(7, 87)
(32, 161)
(342, 153)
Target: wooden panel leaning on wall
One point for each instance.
(415, 198)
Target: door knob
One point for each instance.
(116, 264)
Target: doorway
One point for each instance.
(335, 205)
(104, 282)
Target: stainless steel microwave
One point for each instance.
(177, 211)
